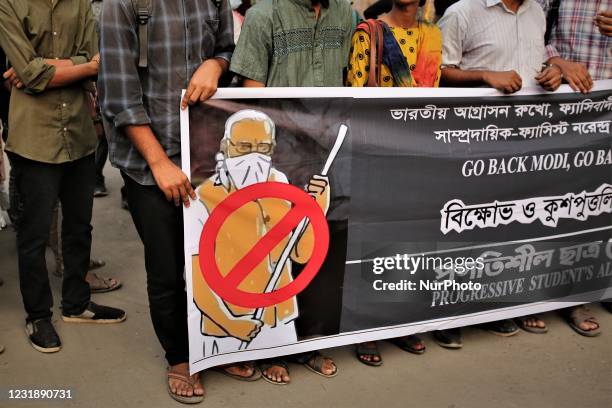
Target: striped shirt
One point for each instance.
(182, 34)
(484, 35)
(575, 36)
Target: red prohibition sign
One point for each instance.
(227, 287)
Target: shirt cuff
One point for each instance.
(224, 55)
(37, 75)
(78, 60)
(135, 115)
(552, 51)
(247, 73)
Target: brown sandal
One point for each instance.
(194, 399)
(254, 377)
(102, 285)
(579, 315)
(317, 366)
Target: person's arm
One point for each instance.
(168, 176)
(249, 83)
(251, 58)
(32, 73)
(505, 81)
(357, 75)
(205, 81)
(576, 74)
(121, 98)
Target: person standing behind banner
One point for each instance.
(578, 41)
(269, 53)
(496, 43)
(51, 142)
(189, 46)
(411, 57)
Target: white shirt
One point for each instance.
(486, 35)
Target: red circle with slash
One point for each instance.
(303, 206)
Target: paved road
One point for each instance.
(122, 365)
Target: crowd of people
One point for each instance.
(89, 79)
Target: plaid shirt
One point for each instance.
(576, 37)
(182, 34)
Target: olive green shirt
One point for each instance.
(48, 125)
(282, 43)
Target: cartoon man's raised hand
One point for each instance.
(319, 189)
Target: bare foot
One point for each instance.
(245, 370)
(536, 322)
(277, 374)
(369, 357)
(327, 368)
(187, 387)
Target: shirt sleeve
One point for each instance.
(253, 52)
(224, 44)
(453, 32)
(359, 60)
(32, 70)
(87, 42)
(118, 79)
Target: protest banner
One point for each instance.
(327, 217)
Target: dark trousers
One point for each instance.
(101, 156)
(39, 186)
(160, 226)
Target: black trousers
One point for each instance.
(160, 226)
(101, 156)
(39, 186)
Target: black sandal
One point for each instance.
(408, 343)
(367, 349)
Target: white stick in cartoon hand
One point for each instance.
(278, 268)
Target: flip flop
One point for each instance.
(365, 349)
(103, 285)
(581, 314)
(195, 399)
(522, 323)
(254, 377)
(317, 366)
(408, 344)
(275, 363)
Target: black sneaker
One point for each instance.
(42, 336)
(97, 314)
(100, 190)
(450, 338)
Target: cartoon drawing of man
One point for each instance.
(245, 158)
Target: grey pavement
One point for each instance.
(122, 365)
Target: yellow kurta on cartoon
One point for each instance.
(240, 232)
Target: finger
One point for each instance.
(318, 183)
(186, 97)
(168, 193)
(207, 93)
(176, 196)
(195, 96)
(184, 196)
(315, 189)
(572, 83)
(18, 84)
(190, 191)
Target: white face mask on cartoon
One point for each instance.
(249, 169)
(234, 4)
